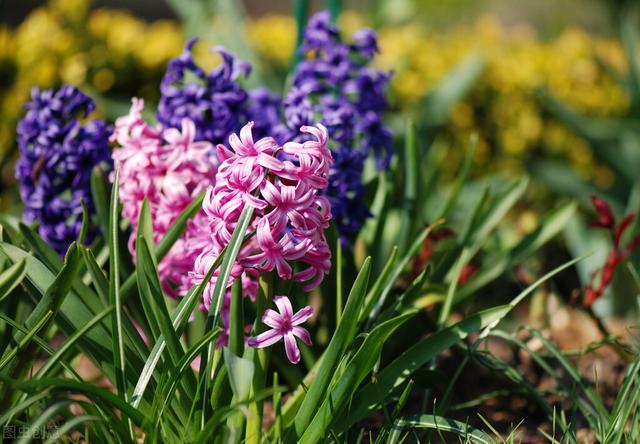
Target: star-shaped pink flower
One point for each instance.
(284, 325)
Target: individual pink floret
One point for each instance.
(284, 325)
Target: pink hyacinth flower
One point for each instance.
(285, 325)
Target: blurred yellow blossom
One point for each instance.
(106, 51)
(274, 38)
(114, 53)
(503, 108)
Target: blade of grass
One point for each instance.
(349, 380)
(114, 297)
(70, 342)
(463, 430)
(171, 236)
(217, 296)
(100, 196)
(98, 278)
(395, 374)
(178, 320)
(7, 357)
(11, 278)
(343, 336)
(93, 392)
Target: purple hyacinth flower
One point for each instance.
(57, 155)
(334, 85)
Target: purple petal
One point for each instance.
(303, 334)
(302, 315)
(265, 339)
(284, 305)
(291, 347)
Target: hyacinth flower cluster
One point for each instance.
(57, 155)
(283, 183)
(168, 168)
(214, 101)
(333, 84)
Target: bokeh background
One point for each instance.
(545, 86)
(532, 52)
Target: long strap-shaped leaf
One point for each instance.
(91, 391)
(237, 239)
(178, 320)
(345, 332)
(43, 313)
(393, 375)
(464, 431)
(396, 373)
(355, 371)
(11, 278)
(172, 235)
(114, 296)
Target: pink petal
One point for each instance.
(269, 162)
(246, 136)
(272, 318)
(284, 305)
(303, 334)
(302, 315)
(265, 339)
(291, 347)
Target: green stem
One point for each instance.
(334, 6)
(261, 361)
(300, 12)
(339, 297)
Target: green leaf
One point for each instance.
(437, 105)
(38, 423)
(98, 278)
(42, 344)
(395, 374)
(70, 425)
(179, 320)
(100, 195)
(217, 296)
(182, 366)
(463, 430)
(23, 405)
(119, 361)
(74, 313)
(146, 274)
(11, 278)
(57, 292)
(42, 250)
(382, 287)
(347, 383)
(626, 404)
(552, 224)
(70, 342)
(236, 319)
(240, 371)
(156, 299)
(385, 280)
(91, 391)
(342, 338)
(411, 216)
(171, 236)
(574, 373)
(7, 357)
(82, 236)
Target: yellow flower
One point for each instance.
(273, 37)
